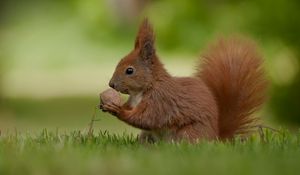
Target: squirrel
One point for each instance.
(216, 103)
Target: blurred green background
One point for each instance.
(57, 55)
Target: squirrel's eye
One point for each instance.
(129, 71)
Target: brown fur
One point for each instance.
(233, 70)
(215, 104)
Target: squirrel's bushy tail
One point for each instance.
(233, 71)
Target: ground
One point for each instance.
(102, 153)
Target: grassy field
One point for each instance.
(103, 153)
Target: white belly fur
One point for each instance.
(135, 99)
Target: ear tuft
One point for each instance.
(145, 40)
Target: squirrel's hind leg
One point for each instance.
(196, 132)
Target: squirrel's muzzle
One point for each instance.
(112, 84)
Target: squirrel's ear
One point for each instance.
(144, 42)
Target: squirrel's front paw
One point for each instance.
(111, 108)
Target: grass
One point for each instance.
(103, 153)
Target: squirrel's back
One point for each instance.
(232, 69)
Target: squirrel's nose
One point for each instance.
(112, 85)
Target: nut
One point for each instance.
(110, 96)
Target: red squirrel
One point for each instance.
(218, 102)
